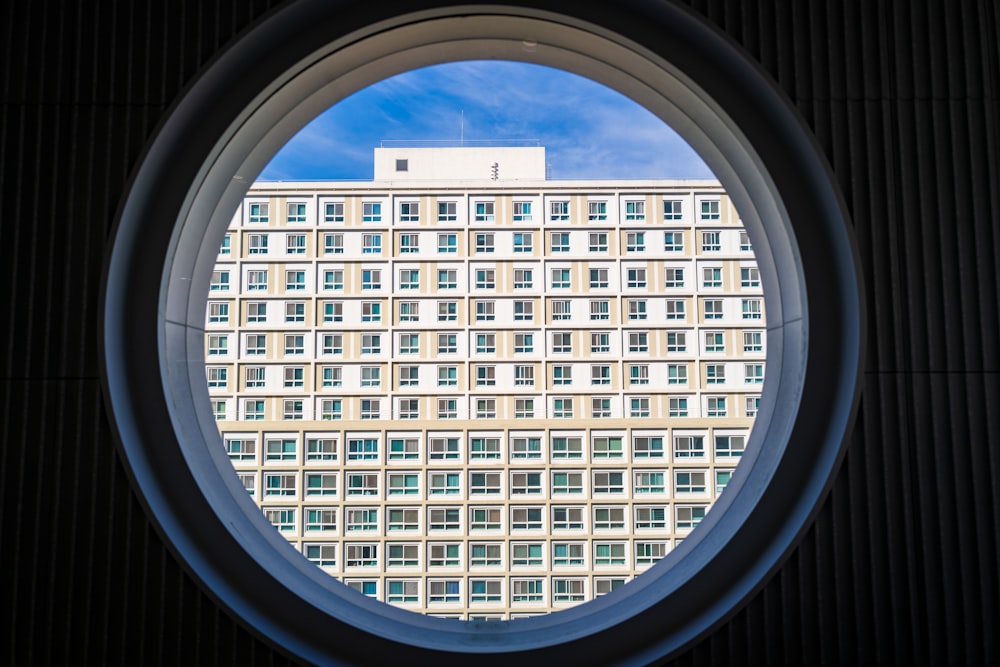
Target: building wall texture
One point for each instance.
(900, 565)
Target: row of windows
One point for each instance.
(412, 447)
(482, 211)
(487, 518)
(482, 310)
(494, 554)
(333, 243)
(479, 342)
(644, 481)
(481, 375)
(557, 407)
(450, 590)
(295, 280)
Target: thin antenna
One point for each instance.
(462, 132)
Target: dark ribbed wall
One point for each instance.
(902, 562)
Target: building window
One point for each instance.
(689, 446)
(689, 481)
(409, 408)
(597, 242)
(649, 481)
(752, 309)
(257, 281)
(609, 553)
(710, 209)
(598, 278)
(749, 277)
(484, 483)
(600, 309)
(371, 211)
(484, 211)
(522, 211)
(259, 214)
(486, 279)
(321, 449)
(562, 341)
(560, 278)
(647, 553)
(522, 279)
(635, 278)
(334, 279)
(638, 374)
(404, 449)
(295, 280)
(333, 244)
(567, 518)
(403, 483)
(486, 343)
(241, 449)
(559, 211)
(711, 277)
(604, 447)
(447, 211)
(444, 483)
(600, 374)
(722, 478)
(322, 555)
(559, 241)
(485, 554)
(560, 309)
(485, 242)
(650, 517)
(715, 374)
(409, 343)
(371, 344)
(673, 241)
(688, 516)
(753, 373)
(218, 312)
(635, 241)
(752, 405)
(447, 376)
(524, 408)
(600, 407)
(525, 448)
(525, 483)
(295, 344)
(713, 309)
(715, 341)
(444, 555)
(409, 211)
(256, 312)
(371, 279)
(484, 448)
(562, 408)
(567, 482)
(609, 518)
(526, 518)
(729, 446)
(294, 376)
(647, 447)
(295, 244)
(333, 212)
(404, 590)
(526, 590)
(524, 343)
(711, 241)
(218, 344)
(677, 406)
(257, 244)
(567, 448)
(282, 519)
(443, 518)
(371, 408)
(484, 590)
(674, 277)
(672, 209)
(333, 311)
(362, 555)
(677, 374)
(526, 554)
(485, 518)
(296, 213)
(639, 407)
(371, 244)
(745, 242)
(597, 210)
(333, 343)
(447, 408)
(523, 242)
(362, 519)
(331, 408)
(753, 341)
(638, 341)
(716, 406)
(637, 309)
(409, 279)
(321, 484)
(485, 311)
(486, 408)
(600, 341)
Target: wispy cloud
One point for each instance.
(589, 130)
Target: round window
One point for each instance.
(304, 58)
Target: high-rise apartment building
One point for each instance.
(471, 391)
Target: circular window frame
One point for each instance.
(303, 58)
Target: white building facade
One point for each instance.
(473, 392)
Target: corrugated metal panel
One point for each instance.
(902, 562)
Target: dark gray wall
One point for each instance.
(902, 562)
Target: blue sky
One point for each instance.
(588, 130)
